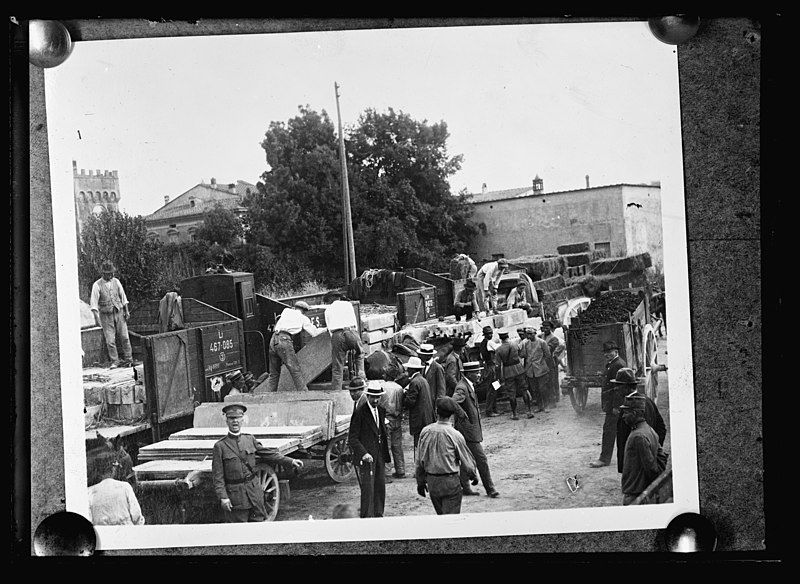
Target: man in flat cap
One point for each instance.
(465, 303)
(627, 382)
(442, 457)
(109, 305)
(281, 345)
(490, 275)
(468, 422)
(610, 399)
(370, 446)
(237, 481)
(644, 457)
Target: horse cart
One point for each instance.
(621, 316)
(308, 425)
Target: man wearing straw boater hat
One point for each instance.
(468, 422)
(417, 399)
(237, 482)
(611, 397)
(433, 372)
(370, 446)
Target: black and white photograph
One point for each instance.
(375, 284)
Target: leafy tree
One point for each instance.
(402, 210)
(221, 226)
(122, 239)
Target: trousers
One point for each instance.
(445, 493)
(372, 480)
(538, 387)
(482, 463)
(466, 312)
(609, 436)
(396, 443)
(281, 352)
(114, 325)
(342, 341)
(244, 515)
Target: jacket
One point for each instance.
(508, 361)
(452, 372)
(468, 418)
(536, 355)
(365, 438)
(418, 401)
(612, 395)
(434, 375)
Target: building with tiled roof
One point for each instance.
(618, 220)
(178, 219)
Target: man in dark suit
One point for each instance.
(237, 482)
(452, 365)
(611, 397)
(417, 399)
(433, 371)
(468, 422)
(626, 381)
(370, 446)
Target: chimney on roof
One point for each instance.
(587, 181)
(483, 188)
(166, 199)
(213, 181)
(232, 187)
(538, 185)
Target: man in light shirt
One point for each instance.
(490, 274)
(110, 308)
(281, 345)
(442, 456)
(340, 317)
(112, 502)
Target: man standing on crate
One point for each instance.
(341, 320)
(110, 308)
(490, 274)
(611, 397)
(281, 345)
(237, 482)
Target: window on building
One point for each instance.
(172, 235)
(604, 248)
(152, 235)
(192, 232)
(191, 202)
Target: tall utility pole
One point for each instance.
(347, 222)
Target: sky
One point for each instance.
(556, 100)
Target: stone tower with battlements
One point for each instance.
(95, 192)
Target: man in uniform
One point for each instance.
(536, 354)
(233, 467)
(512, 375)
(468, 422)
(443, 455)
(642, 450)
(281, 345)
(341, 320)
(369, 443)
(490, 274)
(486, 349)
(466, 304)
(417, 399)
(109, 305)
(433, 372)
(610, 399)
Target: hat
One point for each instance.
(503, 334)
(610, 346)
(426, 349)
(487, 330)
(634, 401)
(548, 323)
(107, 266)
(233, 375)
(625, 375)
(502, 262)
(520, 282)
(459, 342)
(235, 406)
(356, 383)
(374, 388)
(414, 363)
(446, 406)
(302, 305)
(471, 367)
(469, 284)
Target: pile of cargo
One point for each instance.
(614, 306)
(113, 396)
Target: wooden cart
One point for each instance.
(585, 351)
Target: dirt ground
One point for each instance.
(529, 460)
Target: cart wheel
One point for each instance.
(339, 459)
(272, 492)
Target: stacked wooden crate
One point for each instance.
(114, 394)
(377, 328)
